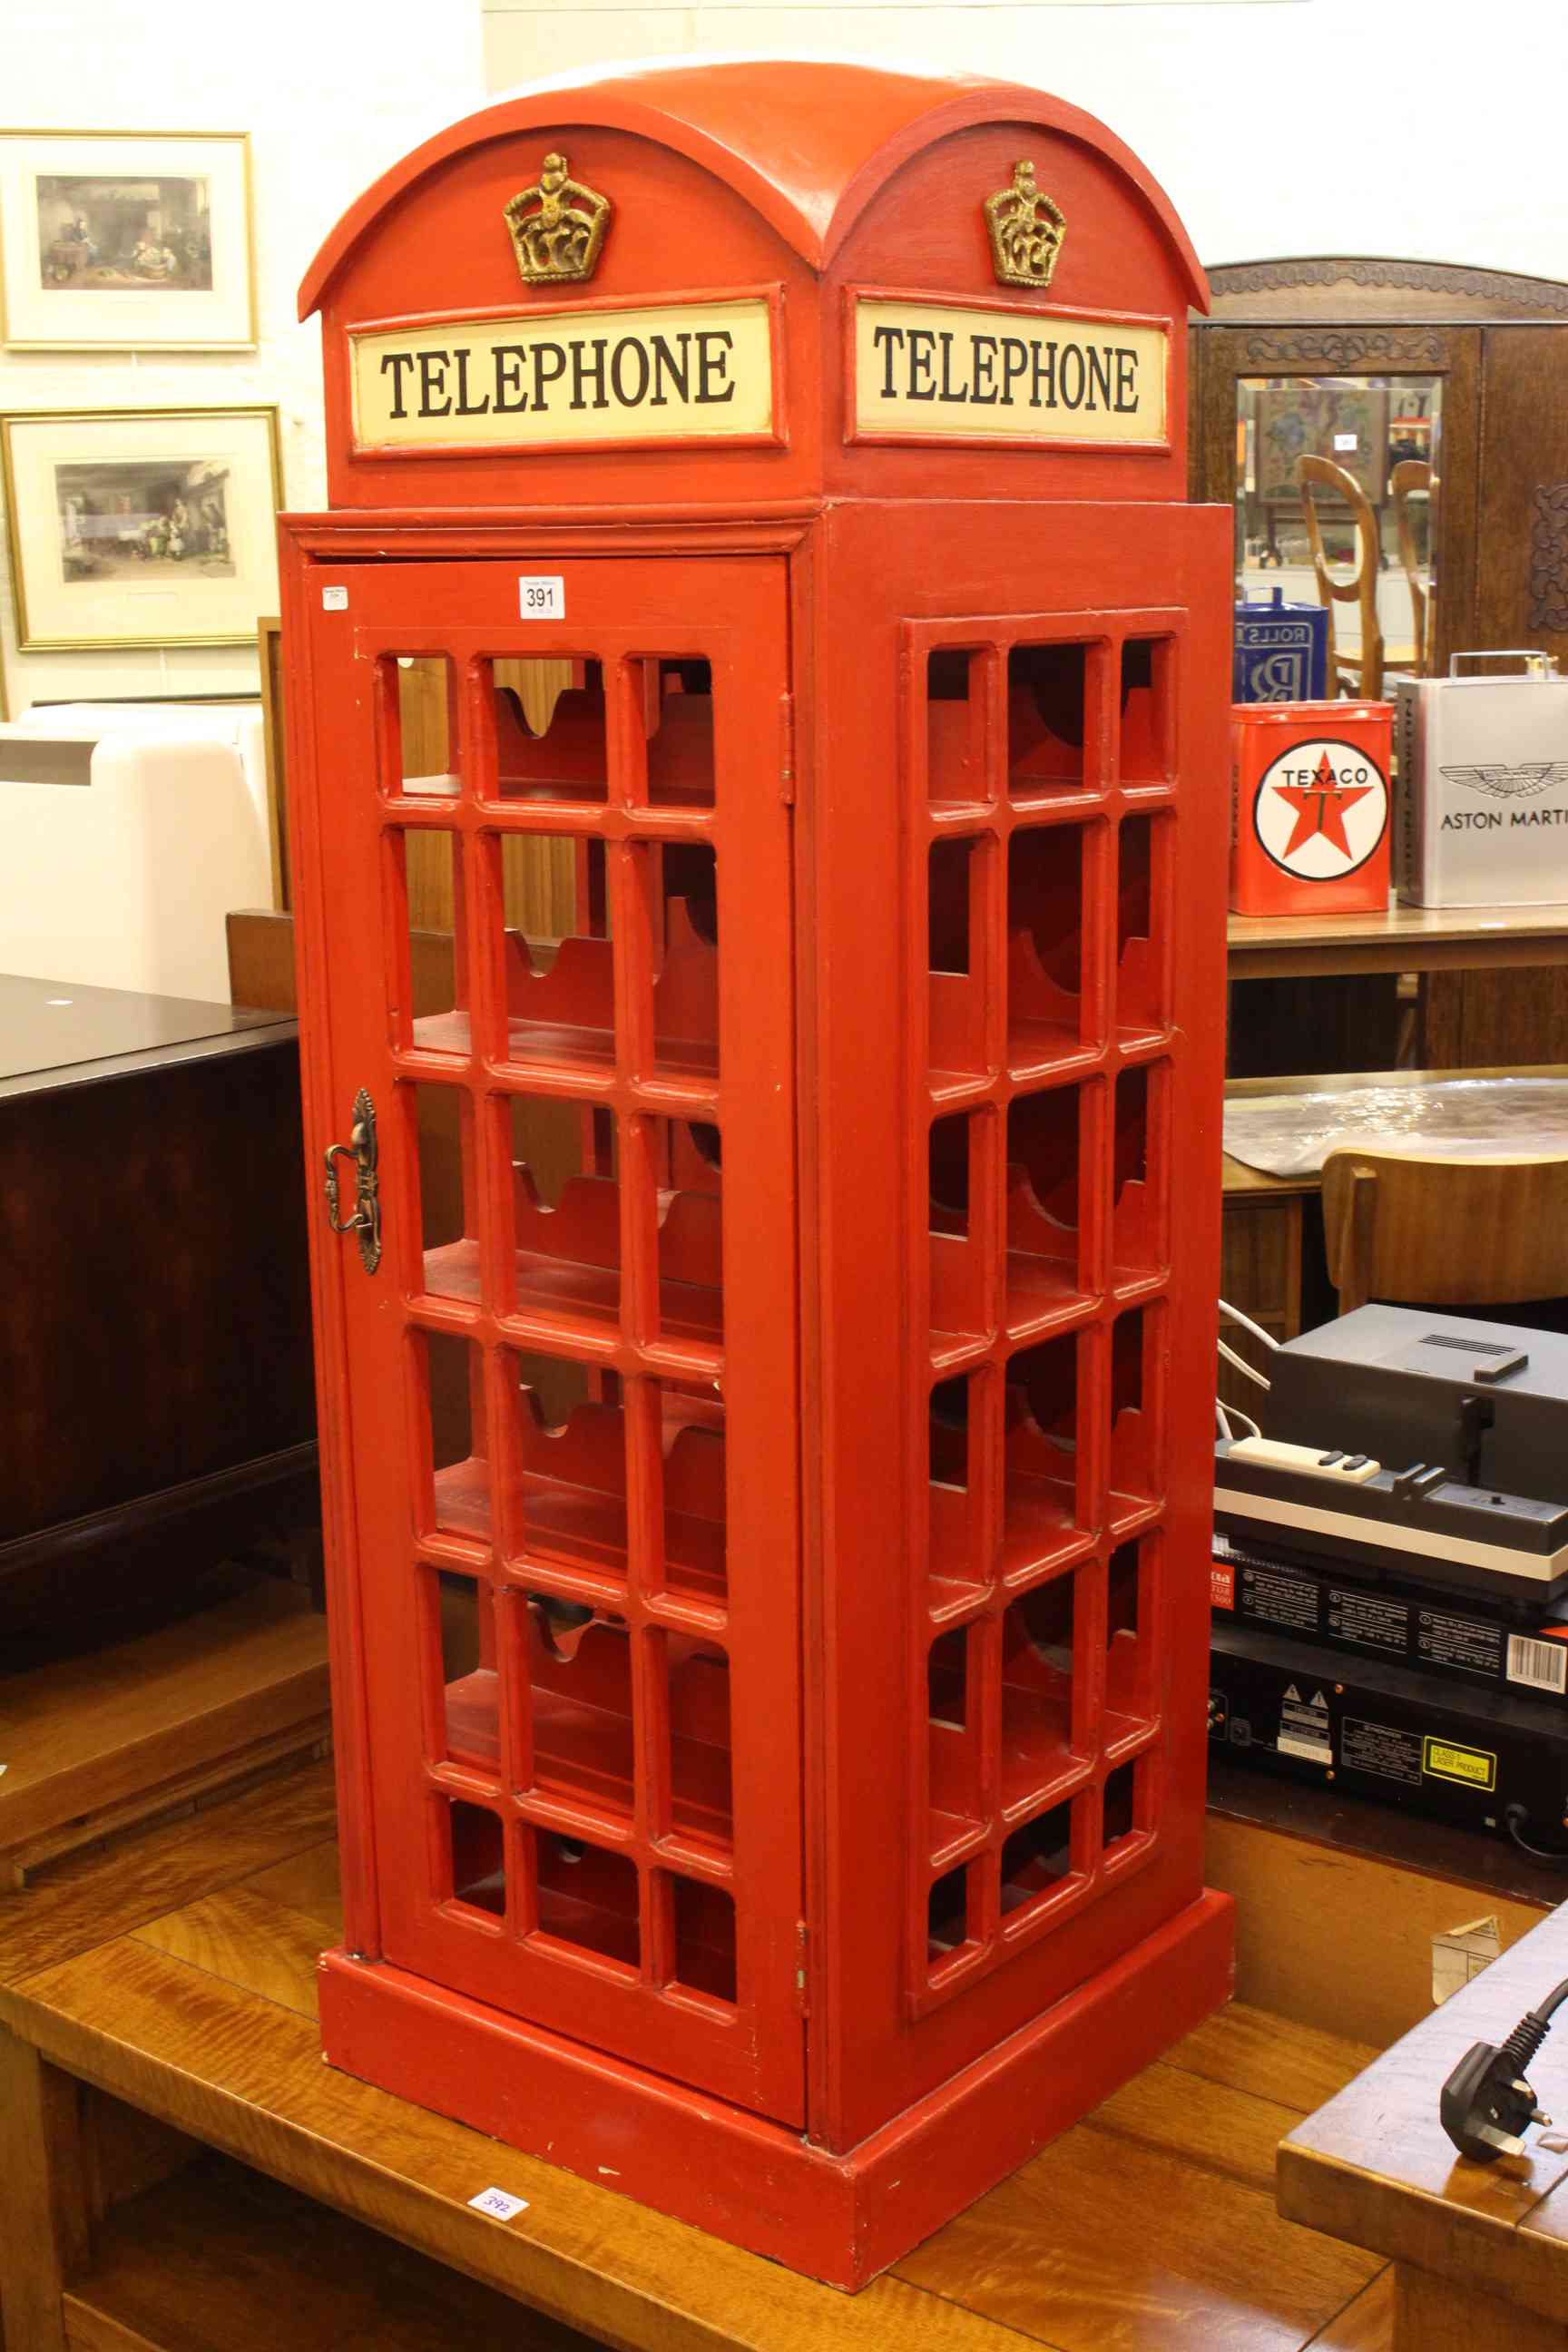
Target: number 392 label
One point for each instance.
(541, 596)
(500, 2204)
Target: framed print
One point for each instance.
(126, 241)
(145, 527)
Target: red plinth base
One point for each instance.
(841, 2218)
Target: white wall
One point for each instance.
(1276, 126)
(331, 92)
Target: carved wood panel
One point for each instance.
(1365, 287)
(1549, 556)
(1522, 518)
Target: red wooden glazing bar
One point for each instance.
(518, 1744)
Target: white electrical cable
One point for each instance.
(1242, 1365)
(1222, 1414)
(1247, 1324)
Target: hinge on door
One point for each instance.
(786, 752)
(802, 1969)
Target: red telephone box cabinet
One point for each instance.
(766, 1351)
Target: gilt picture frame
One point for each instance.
(141, 527)
(126, 241)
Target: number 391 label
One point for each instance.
(541, 596)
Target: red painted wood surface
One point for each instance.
(772, 173)
(1059, 1100)
(824, 1468)
(840, 2218)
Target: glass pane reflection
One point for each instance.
(1383, 433)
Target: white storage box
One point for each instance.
(129, 832)
(1482, 798)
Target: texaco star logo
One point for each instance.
(1320, 810)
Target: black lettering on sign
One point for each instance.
(631, 369)
(1043, 376)
(584, 368)
(714, 366)
(467, 408)
(983, 348)
(594, 372)
(887, 341)
(544, 353)
(508, 358)
(433, 380)
(667, 366)
(962, 366)
(950, 392)
(1126, 382)
(393, 363)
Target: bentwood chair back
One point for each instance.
(1446, 1232)
(1360, 675)
(1412, 478)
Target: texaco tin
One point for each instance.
(1311, 822)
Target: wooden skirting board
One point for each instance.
(102, 1743)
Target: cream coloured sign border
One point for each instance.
(1031, 314)
(677, 306)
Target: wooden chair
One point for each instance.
(1363, 676)
(1446, 1233)
(1412, 477)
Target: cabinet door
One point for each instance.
(543, 857)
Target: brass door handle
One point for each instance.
(361, 1149)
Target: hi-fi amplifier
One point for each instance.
(1386, 1732)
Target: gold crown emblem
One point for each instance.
(558, 225)
(1026, 229)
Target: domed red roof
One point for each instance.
(807, 143)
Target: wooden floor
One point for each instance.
(192, 1946)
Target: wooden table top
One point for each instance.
(1402, 939)
(56, 1032)
(1238, 1177)
(1374, 2166)
(177, 1972)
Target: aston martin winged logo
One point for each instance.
(1520, 784)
